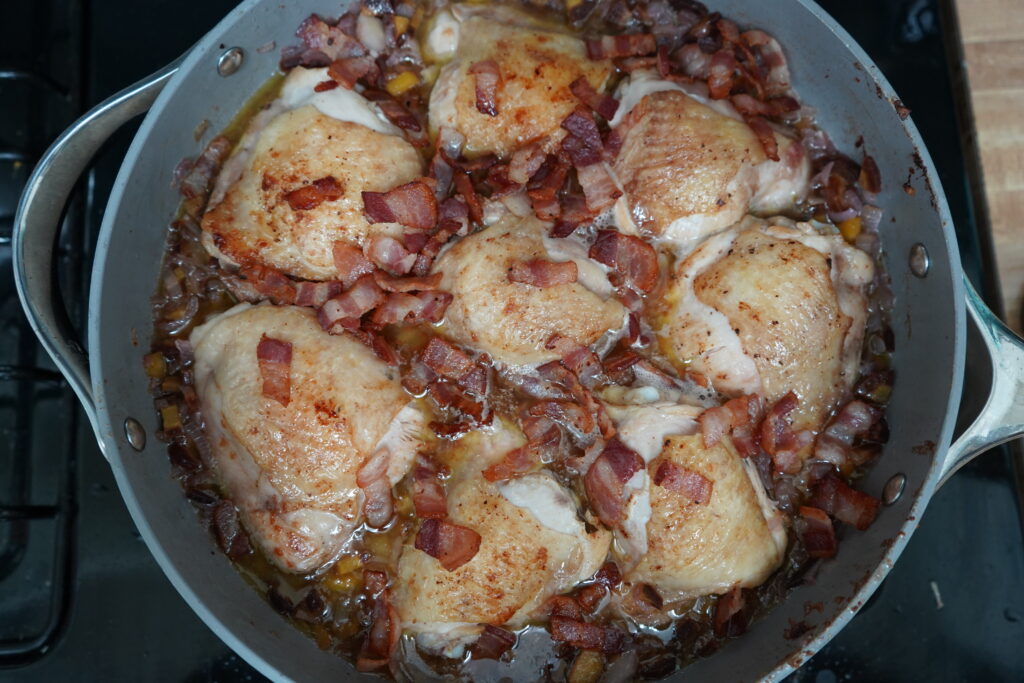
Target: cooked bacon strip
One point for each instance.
(198, 180)
(393, 110)
(310, 196)
(448, 361)
(580, 123)
(818, 535)
(564, 606)
(428, 495)
(350, 262)
(331, 41)
(778, 438)
(372, 478)
(389, 254)
(464, 186)
(324, 86)
(375, 343)
(605, 480)
(382, 639)
(413, 205)
(445, 231)
(590, 597)
(846, 504)
(870, 176)
(721, 74)
(315, 294)
(619, 366)
(350, 69)
(450, 544)
(569, 414)
(684, 481)
(623, 45)
(731, 617)
(733, 414)
(347, 308)
(604, 106)
(587, 636)
(629, 256)
(422, 283)
(275, 361)
(488, 78)
(401, 307)
(835, 443)
(542, 273)
(692, 61)
(270, 283)
(598, 186)
(765, 134)
(515, 463)
(578, 359)
(492, 643)
(572, 213)
(609, 575)
(525, 161)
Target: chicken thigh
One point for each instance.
(291, 469)
(691, 166)
(536, 67)
(511, 321)
(768, 308)
(533, 545)
(336, 144)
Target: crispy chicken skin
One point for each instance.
(537, 66)
(511, 321)
(255, 224)
(291, 470)
(533, 545)
(769, 308)
(690, 170)
(736, 539)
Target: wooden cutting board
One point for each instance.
(993, 37)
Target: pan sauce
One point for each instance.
(333, 603)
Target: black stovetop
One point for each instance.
(80, 596)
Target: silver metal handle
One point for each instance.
(38, 220)
(1002, 418)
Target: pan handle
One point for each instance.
(38, 221)
(1002, 418)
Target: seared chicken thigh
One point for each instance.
(533, 545)
(335, 141)
(691, 166)
(511, 321)
(536, 67)
(291, 469)
(768, 308)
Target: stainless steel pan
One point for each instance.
(830, 71)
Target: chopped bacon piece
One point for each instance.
(544, 187)
(448, 361)
(572, 213)
(451, 544)
(375, 343)
(350, 262)
(347, 308)
(609, 575)
(818, 535)
(542, 273)
(427, 492)
(422, 283)
(604, 105)
(310, 196)
(598, 186)
(564, 606)
(684, 481)
(350, 69)
(579, 359)
(846, 504)
(569, 414)
(590, 597)
(605, 480)
(464, 186)
(445, 232)
(525, 162)
(448, 395)
(492, 643)
(324, 86)
(731, 618)
(402, 307)
(270, 283)
(618, 366)
(870, 176)
(778, 438)
(721, 74)
(488, 78)
(275, 361)
(623, 45)
(580, 123)
(315, 294)
(734, 414)
(579, 152)
(515, 463)
(393, 110)
(835, 443)
(587, 636)
(629, 256)
(692, 61)
(765, 134)
(382, 639)
(389, 254)
(413, 205)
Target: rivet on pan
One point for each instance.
(919, 260)
(894, 488)
(230, 61)
(135, 434)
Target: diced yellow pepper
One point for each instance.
(347, 565)
(155, 365)
(401, 24)
(587, 668)
(400, 83)
(170, 417)
(850, 229)
(572, 4)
